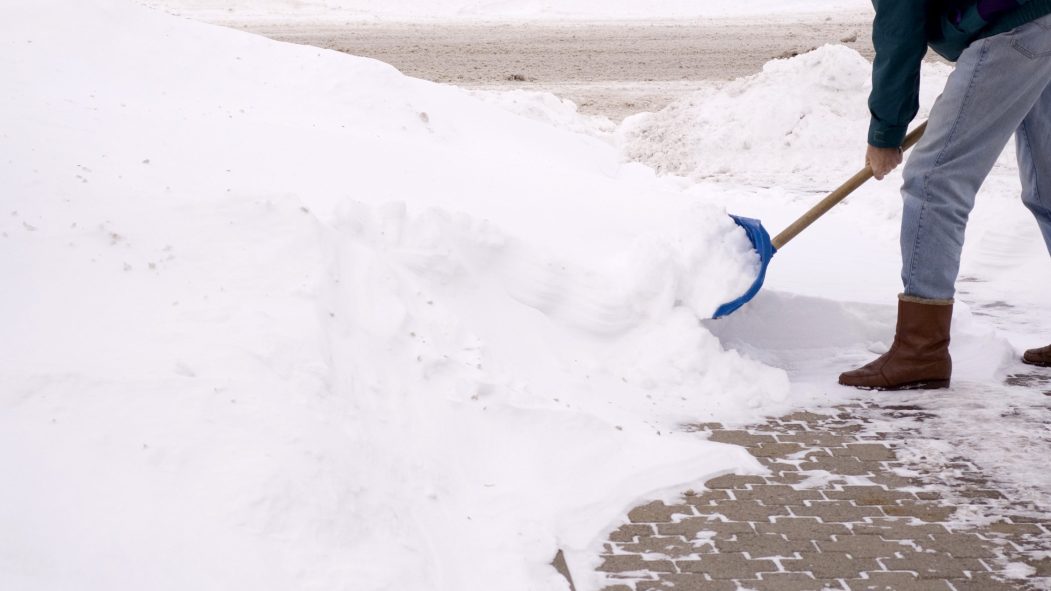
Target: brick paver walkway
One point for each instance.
(839, 509)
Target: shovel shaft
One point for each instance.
(838, 195)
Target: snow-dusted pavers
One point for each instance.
(845, 505)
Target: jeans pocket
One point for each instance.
(1035, 41)
(1033, 48)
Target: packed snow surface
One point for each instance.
(501, 9)
(282, 318)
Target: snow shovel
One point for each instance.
(766, 248)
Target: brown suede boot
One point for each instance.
(1041, 356)
(919, 357)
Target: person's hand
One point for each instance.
(882, 160)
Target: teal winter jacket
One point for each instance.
(901, 33)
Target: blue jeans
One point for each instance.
(1000, 85)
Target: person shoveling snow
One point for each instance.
(1001, 85)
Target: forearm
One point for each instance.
(900, 38)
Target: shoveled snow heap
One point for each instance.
(416, 10)
(785, 126)
(280, 318)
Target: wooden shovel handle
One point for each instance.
(838, 195)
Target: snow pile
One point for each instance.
(786, 126)
(280, 318)
(499, 9)
(548, 108)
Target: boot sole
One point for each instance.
(920, 385)
(1036, 363)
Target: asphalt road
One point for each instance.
(613, 69)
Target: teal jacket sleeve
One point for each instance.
(899, 34)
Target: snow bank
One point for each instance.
(548, 108)
(500, 9)
(788, 126)
(280, 318)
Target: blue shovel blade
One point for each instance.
(761, 241)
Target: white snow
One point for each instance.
(1018, 570)
(416, 10)
(785, 126)
(282, 318)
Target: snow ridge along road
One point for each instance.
(608, 69)
(502, 10)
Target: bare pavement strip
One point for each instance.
(856, 498)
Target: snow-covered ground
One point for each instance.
(282, 318)
(416, 10)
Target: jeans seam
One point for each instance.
(967, 98)
(1036, 174)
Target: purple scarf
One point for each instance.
(987, 9)
(990, 8)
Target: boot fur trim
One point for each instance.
(916, 300)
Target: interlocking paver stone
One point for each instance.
(742, 438)
(731, 481)
(658, 512)
(814, 439)
(934, 566)
(843, 512)
(802, 528)
(865, 451)
(899, 528)
(863, 546)
(746, 510)
(671, 546)
(727, 566)
(869, 495)
(776, 450)
(706, 497)
(1031, 519)
(692, 526)
(805, 417)
(830, 565)
(847, 466)
(890, 480)
(959, 545)
(778, 467)
(692, 582)
(896, 581)
(984, 582)
(930, 512)
(764, 545)
(633, 563)
(836, 511)
(629, 531)
(1042, 565)
(982, 494)
(702, 427)
(778, 494)
(791, 582)
(1015, 529)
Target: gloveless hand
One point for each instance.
(882, 160)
